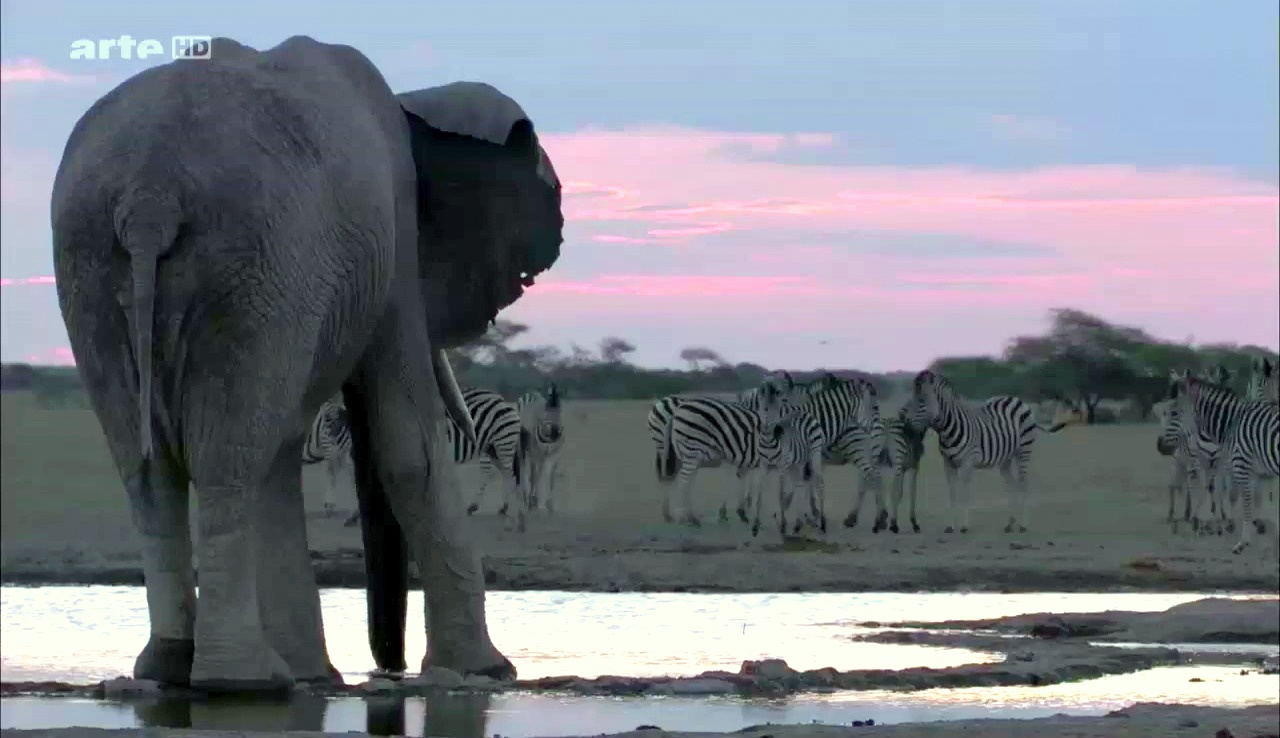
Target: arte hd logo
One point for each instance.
(128, 47)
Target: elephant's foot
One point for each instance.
(254, 669)
(166, 660)
(485, 662)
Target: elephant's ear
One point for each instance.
(488, 205)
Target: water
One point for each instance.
(84, 634)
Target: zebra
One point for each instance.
(898, 448)
(861, 447)
(785, 449)
(329, 440)
(541, 439)
(1179, 445)
(1197, 465)
(1264, 380)
(496, 448)
(835, 404)
(998, 433)
(705, 432)
(664, 408)
(1248, 430)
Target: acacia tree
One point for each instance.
(614, 350)
(697, 354)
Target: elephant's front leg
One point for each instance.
(288, 600)
(415, 473)
(160, 502)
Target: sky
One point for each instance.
(867, 184)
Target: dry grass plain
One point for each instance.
(1097, 506)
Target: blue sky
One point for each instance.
(1082, 100)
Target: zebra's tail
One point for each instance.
(1053, 428)
(666, 460)
(146, 227)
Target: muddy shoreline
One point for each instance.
(733, 570)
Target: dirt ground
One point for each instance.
(1098, 501)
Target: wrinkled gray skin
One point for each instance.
(237, 239)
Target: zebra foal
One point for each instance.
(999, 433)
(541, 440)
(899, 448)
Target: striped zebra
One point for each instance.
(496, 449)
(835, 404)
(664, 408)
(329, 440)
(998, 433)
(706, 432)
(1198, 472)
(1264, 380)
(785, 450)
(1177, 444)
(541, 440)
(899, 448)
(1247, 430)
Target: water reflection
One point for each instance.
(522, 714)
(439, 714)
(302, 712)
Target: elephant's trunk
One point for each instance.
(454, 404)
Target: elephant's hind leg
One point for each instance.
(288, 600)
(235, 430)
(161, 517)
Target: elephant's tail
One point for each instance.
(146, 226)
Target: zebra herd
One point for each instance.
(788, 431)
(1223, 445)
(517, 443)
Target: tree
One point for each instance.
(696, 354)
(614, 350)
(1083, 359)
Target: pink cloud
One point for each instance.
(59, 356)
(747, 243)
(6, 282)
(34, 70)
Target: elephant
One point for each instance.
(235, 240)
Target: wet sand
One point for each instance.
(1097, 522)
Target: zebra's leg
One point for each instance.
(479, 494)
(953, 481)
(964, 494)
(333, 465)
(784, 503)
(744, 500)
(684, 481)
(755, 479)
(895, 499)
(551, 466)
(876, 482)
(915, 477)
(818, 494)
(511, 483)
(1244, 479)
(851, 520)
(1016, 475)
